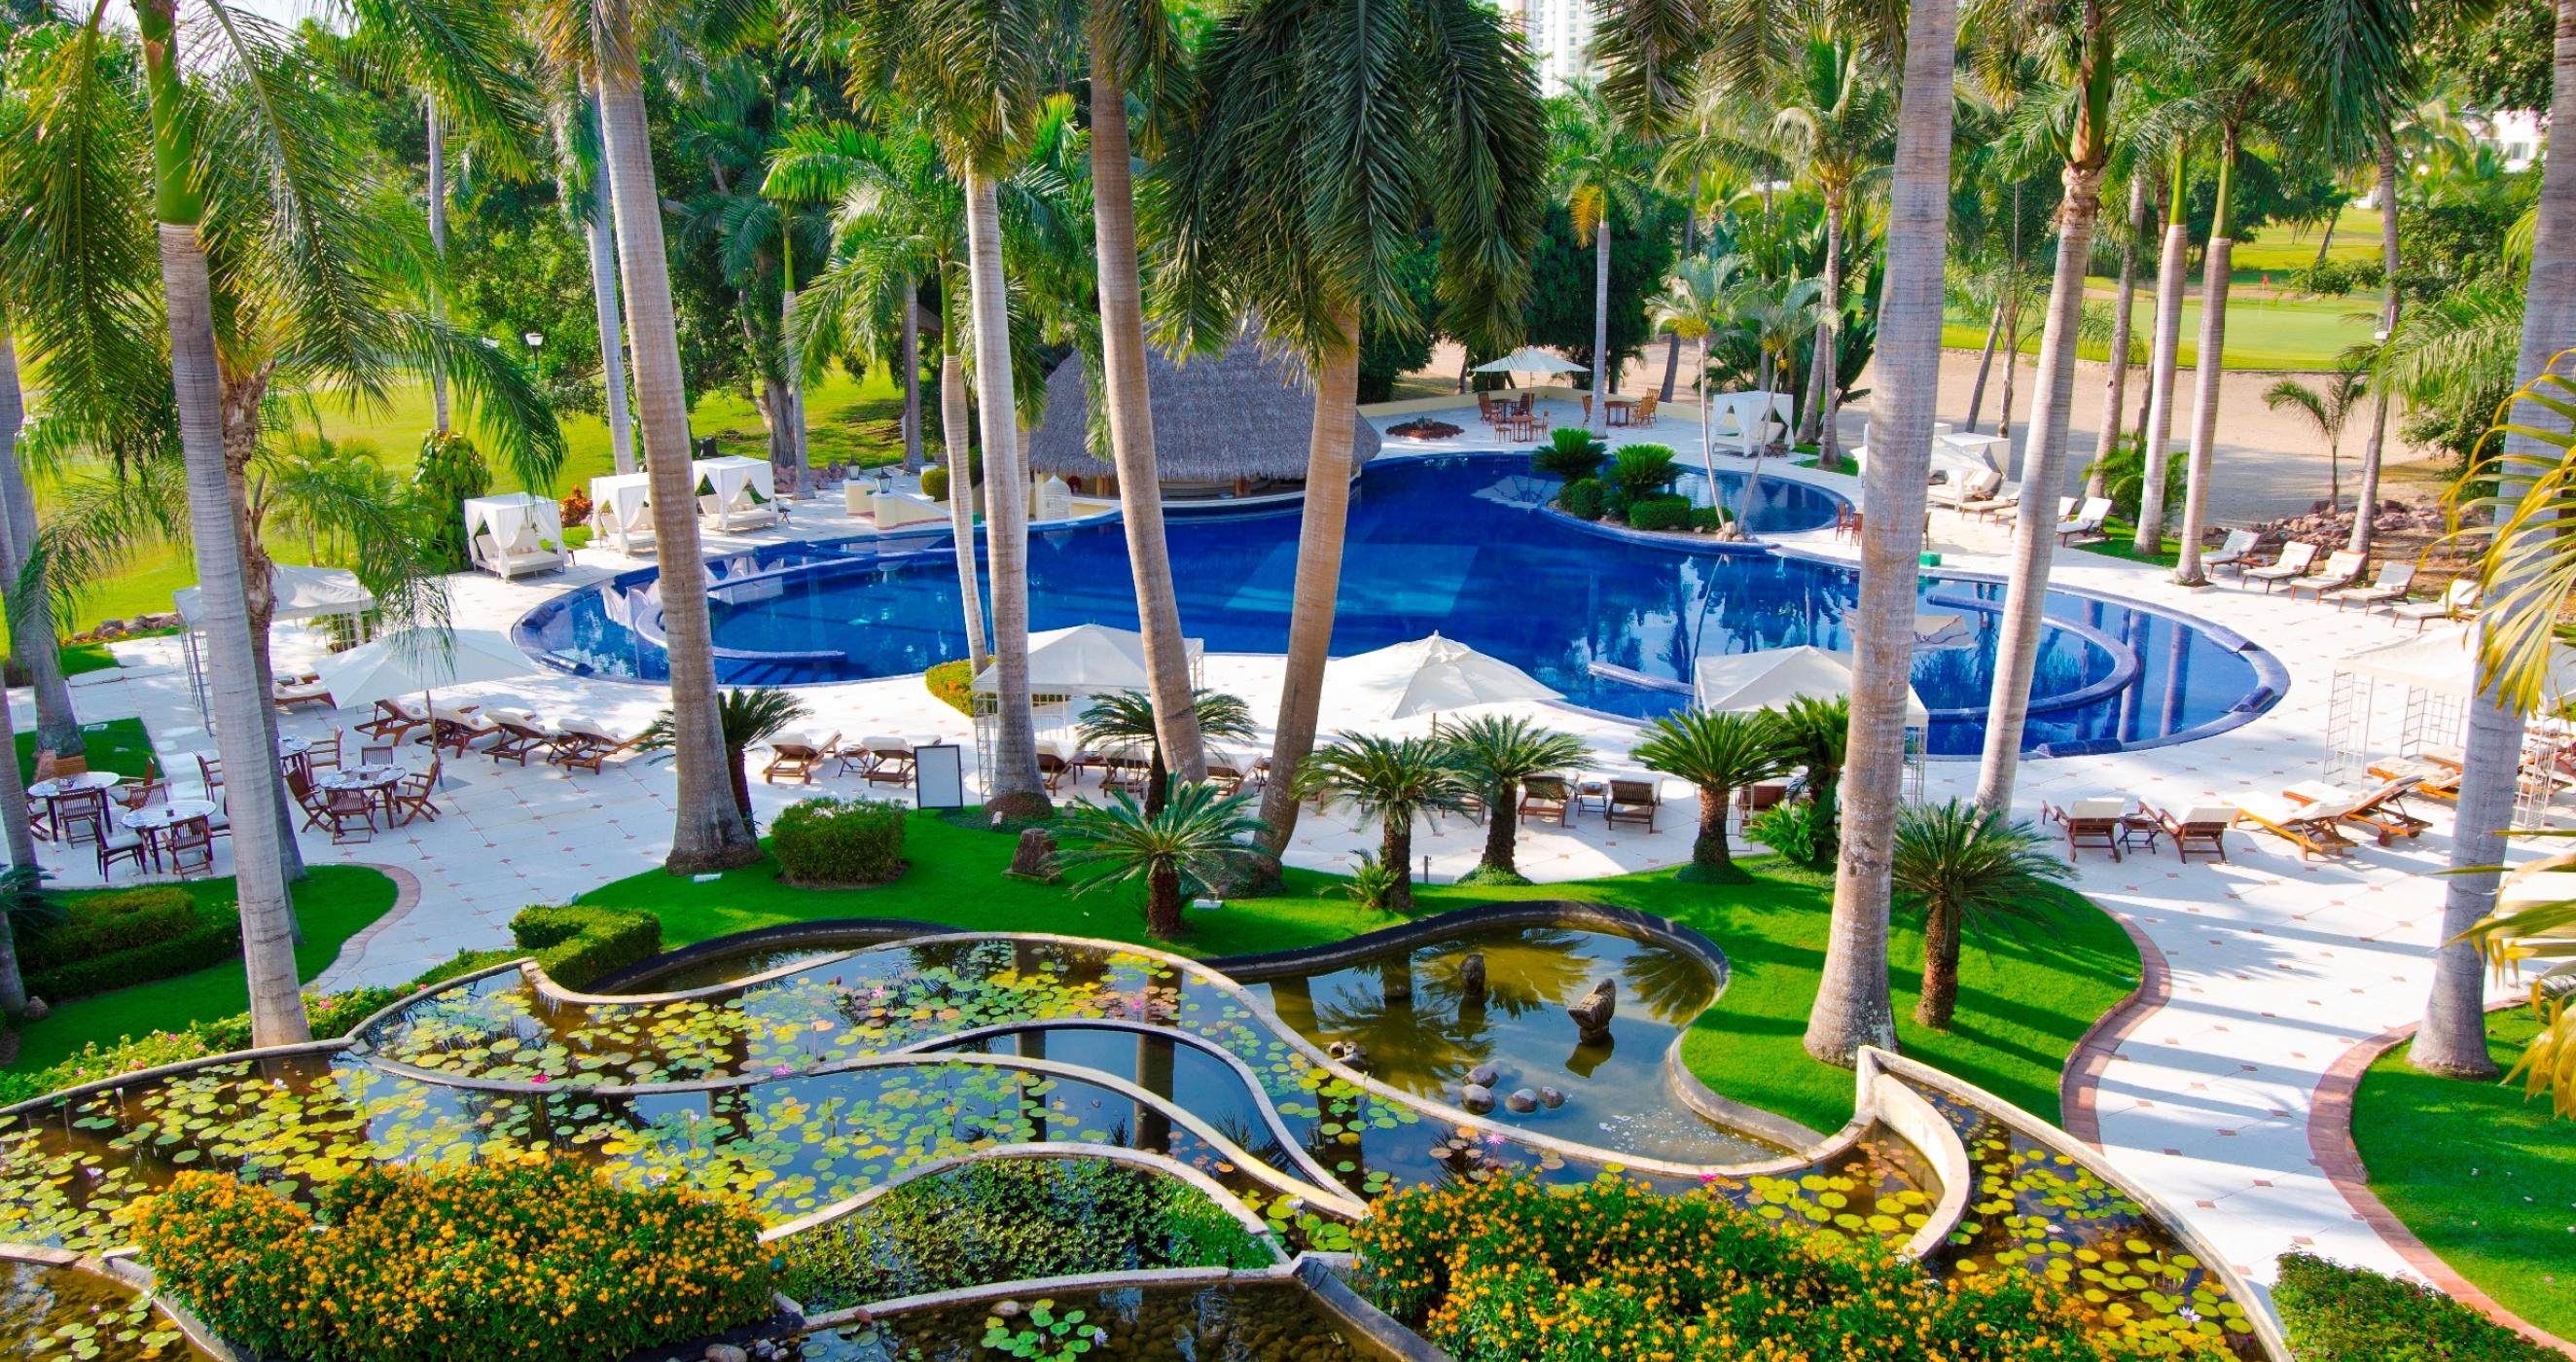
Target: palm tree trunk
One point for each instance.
(1709, 847)
(1827, 359)
(239, 697)
(957, 453)
(1690, 247)
(1163, 904)
(2366, 504)
(2012, 376)
(15, 834)
(2326, 243)
(1012, 786)
(2043, 473)
(437, 130)
(909, 356)
(1131, 426)
(603, 297)
(240, 403)
(1852, 1006)
(2162, 352)
(1319, 577)
(1395, 851)
(1605, 377)
(1940, 996)
(2115, 385)
(707, 830)
(2205, 375)
(1502, 830)
(2454, 1040)
(31, 618)
(1985, 366)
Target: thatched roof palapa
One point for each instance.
(1241, 414)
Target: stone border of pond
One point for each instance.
(122, 1269)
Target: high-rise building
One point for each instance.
(1559, 33)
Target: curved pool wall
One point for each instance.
(1465, 545)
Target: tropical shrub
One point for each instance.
(1796, 832)
(1374, 884)
(139, 936)
(934, 482)
(450, 471)
(951, 683)
(576, 509)
(2334, 1313)
(533, 1258)
(1663, 513)
(1505, 1269)
(578, 945)
(1582, 499)
(838, 843)
(1710, 518)
(1008, 1220)
(748, 716)
(1571, 453)
(1641, 471)
(100, 924)
(1193, 841)
(2124, 479)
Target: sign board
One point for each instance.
(939, 776)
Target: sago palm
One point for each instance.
(1391, 780)
(1126, 717)
(1718, 754)
(1970, 873)
(1497, 752)
(1193, 840)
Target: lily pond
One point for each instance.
(55, 1310)
(824, 1076)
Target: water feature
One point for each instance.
(54, 1310)
(1235, 1322)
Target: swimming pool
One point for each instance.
(1461, 544)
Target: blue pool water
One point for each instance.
(1456, 544)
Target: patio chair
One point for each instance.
(1546, 797)
(40, 818)
(122, 844)
(2201, 828)
(377, 754)
(794, 754)
(190, 844)
(324, 755)
(1643, 413)
(881, 760)
(2087, 522)
(1960, 493)
(412, 798)
(82, 816)
(2459, 601)
(2392, 584)
(69, 766)
(333, 811)
(2240, 544)
(2310, 828)
(134, 792)
(2342, 569)
(2096, 824)
(2295, 558)
(2377, 810)
(210, 774)
(287, 693)
(1633, 801)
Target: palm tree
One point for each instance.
(1693, 305)
(2329, 410)
(2171, 267)
(1838, 125)
(1391, 780)
(1968, 871)
(582, 189)
(1600, 170)
(1320, 139)
(1852, 1005)
(1775, 315)
(1195, 838)
(2115, 383)
(32, 634)
(1812, 733)
(1497, 752)
(1124, 717)
(1718, 754)
(750, 717)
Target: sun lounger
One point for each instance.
(2011, 515)
(2377, 809)
(2342, 569)
(1992, 507)
(581, 744)
(287, 694)
(2201, 828)
(2087, 523)
(2392, 584)
(2432, 780)
(1958, 494)
(1633, 801)
(521, 737)
(2310, 828)
(880, 760)
(794, 754)
(1546, 797)
(2459, 601)
(2097, 824)
(2239, 546)
(455, 728)
(2296, 557)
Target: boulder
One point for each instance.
(1349, 1052)
(1484, 1075)
(1476, 1097)
(1471, 977)
(1034, 857)
(726, 1352)
(1522, 1100)
(1593, 1010)
(1551, 1098)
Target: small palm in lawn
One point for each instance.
(1390, 780)
(2328, 408)
(1496, 752)
(1968, 871)
(1193, 839)
(1813, 732)
(1718, 754)
(1126, 718)
(750, 717)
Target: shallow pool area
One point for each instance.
(1467, 546)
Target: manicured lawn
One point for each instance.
(2122, 543)
(334, 903)
(118, 745)
(2021, 1008)
(2483, 1177)
(2262, 332)
(2279, 249)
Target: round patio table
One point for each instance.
(59, 786)
(162, 817)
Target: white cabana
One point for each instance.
(1736, 420)
(621, 512)
(1426, 676)
(1068, 668)
(301, 593)
(1774, 677)
(740, 493)
(515, 534)
(1529, 359)
(2436, 673)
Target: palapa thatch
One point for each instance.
(1243, 414)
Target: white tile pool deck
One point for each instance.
(2277, 965)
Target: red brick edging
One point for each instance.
(2330, 1145)
(2092, 1053)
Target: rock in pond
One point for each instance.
(1476, 1097)
(1522, 1100)
(1551, 1098)
(1592, 1011)
(1484, 1075)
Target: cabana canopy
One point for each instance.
(1087, 659)
(1772, 678)
(1428, 675)
(1243, 415)
(622, 511)
(2446, 663)
(302, 593)
(738, 492)
(515, 533)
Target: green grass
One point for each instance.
(334, 903)
(2483, 1177)
(852, 420)
(118, 745)
(2122, 543)
(2021, 1007)
(2263, 333)
(2281, 249)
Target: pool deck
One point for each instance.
(2264, 969)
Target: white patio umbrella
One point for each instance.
(418, 660)
(1529, 359)
(1429, 675)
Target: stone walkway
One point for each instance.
(2275, 966)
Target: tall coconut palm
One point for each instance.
(582, 181)
(1498, 752)
(1391, 780)
(2116, 381)
(1718, 754)
(1969, 871)
(32, 631)
(2239, 96)
(2172, 264)
(1601, 172)
(1852, 1005)
(1837, 125)
(1322, 136)
(1693, 305)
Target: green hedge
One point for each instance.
(1581, 499)
(951, 684)
(838, 843)
(576, 946)
(99, 924)
(208, 937)
(2334, 1313)
(1660, 513)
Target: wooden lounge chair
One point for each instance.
(1960, 494)
(1052, 769)
(287, 693)
(882, 760)
(2342, 569)
(394, 718)
(2433, 780)
(2086, 523)
(581, 745)
(2310, 828)
(794, 754)
(2201, 828)
(2239, 546)
(521, 738)
(1633, 801)
(2011, 515)
(459, 730)
(1993, 507)
(1546, 797)
(2391, 585)
(2296, 557)
(1227, 779)
(2096, 824)
(2459, 601)
(2377, 809)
